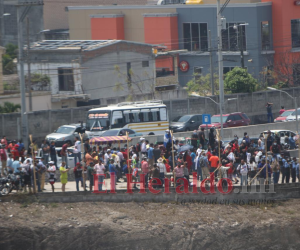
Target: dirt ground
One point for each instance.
(29, 224)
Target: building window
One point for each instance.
(195, 36)
(296, 74)
(66, 79)
(197, 73)
(231, 36)
(295, 33)
(265, 35)
(145, 64)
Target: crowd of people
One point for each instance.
(241, 162)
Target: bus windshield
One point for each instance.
(98, 120)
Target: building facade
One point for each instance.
(185, 28)
(93, 71)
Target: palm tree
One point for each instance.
(9, 107)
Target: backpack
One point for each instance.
(202, 162)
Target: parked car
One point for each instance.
(120, 132)
(66, 133)
(292, 116)
(236, 119)
(186, 123)
(282, 134)
(71, 163)
(284, 115)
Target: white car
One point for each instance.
(292, 116)
(71, 163)
(282, 134)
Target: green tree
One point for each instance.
(7, 59)
(9, 107)
(239, 80)
(202, 85)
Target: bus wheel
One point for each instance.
(151, 133)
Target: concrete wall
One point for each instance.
(280, 192)
(239, 13)
(252, 104)
(100, 77)
(40, 100)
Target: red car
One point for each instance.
(236, 119)
(284, 115)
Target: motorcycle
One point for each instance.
(5, 186)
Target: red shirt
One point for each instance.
(15, 152)
(208, 155)
(168, 167)
(230, 170)
(63, 151)
(214, 161)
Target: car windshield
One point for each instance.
(184, 118)
(98, 121)
(294, 112)
(286, 113)
(110, 133)
(65, 130)
(217, 119)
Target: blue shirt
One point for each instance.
(15, 166)
(21, 146)
(296, 166)
(285, 163)
(9, 162)
(150, 153)
(112, 169)
(263, 172)
(193, 156)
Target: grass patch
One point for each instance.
(53, 205)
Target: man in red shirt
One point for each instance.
(64, 153)
(15, 151)
(214, 162)
(3, 156)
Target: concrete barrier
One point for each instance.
(280, 192)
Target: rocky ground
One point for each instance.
(28, 224)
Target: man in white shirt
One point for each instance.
(143, 146)
(243, 168)
(77, 150)
(100, 170)
(162, 169)
(107, 156)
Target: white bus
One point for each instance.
(147, 117)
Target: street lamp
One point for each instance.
(295, 103)
(6, 14)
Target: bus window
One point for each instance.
(135, 115)
(163, 114)
(127, 116)
(155, 115)
(117, 119)
(145, 115)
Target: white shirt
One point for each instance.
(248, 157)
(30, 160)
(99, 169)
(243, 169)
(106, 157)
(52, 168)
(196, 162)
(143, 147)
(252, 166)
(77, 147)
(162, 167)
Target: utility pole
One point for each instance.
(20, 18)
(241, 46)
(2, 22)
(211, 64)
(28, 66)
(220, 62)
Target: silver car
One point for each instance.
(66, 133)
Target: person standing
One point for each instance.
(86, 146)
(151, 155)
(64, 153)
(179, 173)
(270, 140)
(162, 169)
(3, 157)
(91, 172)
(45, 150)
(42, 171)
(52, 174)
(156, 153)
(243, 168)
(212, 138)
(100, 171)
(201, 136)
(27, 175)
(194, 139)
(281, 110)
(145, 169)
(77, 151)
(295, 170)
(63, 176)
(113, 171)
(53, 156)
(269, 112)
(275, 169)
(214, 162)
(78, 175)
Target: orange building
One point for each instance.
(286, 39)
